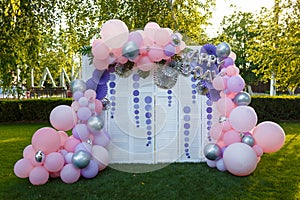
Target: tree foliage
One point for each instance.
(276, 45)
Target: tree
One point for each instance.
(275, 48)
(237, 31)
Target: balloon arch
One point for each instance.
(236, 141)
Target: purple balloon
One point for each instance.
(235, 83)
(227, 62)
(101, 139)
(80, 131)
(84, 113)
(136, 37)
(83, 146)
(91, 170)
(169, 50)
(77, 95)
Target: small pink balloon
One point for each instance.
(100, 64)
(71, 144)
(156, 53)
(258, 150)
(54, 174)
(150, 29)
(100, 50)
(75, 106)
(38, 176)
(162, 37)
(231, 137)
(22, 168)
(114, 33)
(63, 118)
(100, 154)
(122, 60)
(270, 136)
(226, 126)
(98, 106)
(232, 70)
(69, 173)
(90, 95)
(145, 64)
(28, 152)
(232, 55)
(225, 106)
(235, 84)
(46, 139)
(243, 118)
(240, 159)
(218, 83)
(54, 162)
(117, 53)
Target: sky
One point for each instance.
(223, 9)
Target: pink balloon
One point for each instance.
(235, 84)
(270, 136)
(75, 106)
(101, 64)
(232, 55)
(54, 174)
(151, 25)
(226, 126)
(243, 118)
(63, 137)
(28, 152)
(216, 132)
(218, 83)
(69, 173)
(232, 70)
(101, 139)
(162, 37)
(100, 50)
(240, 159)
(156, 53)
(225, 106)
(63, 118)
(100, 154)
(46, 139)
(84, 113)
(258, 150)
(90, 95)
(145, 64)
(54, 162)
(150, 29)
(98, 106)
(114, 33)
(22, 168)
(38, 176)
(71, 144)
(122, 60)
(231, 137)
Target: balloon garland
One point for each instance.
(236, 142)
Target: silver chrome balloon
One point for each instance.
(78, 85)
(212, 151)
(242, 99)
(223, 50)
(130, 50)
(248, 139)
(39, 156)
(95, 124)
(81, 159)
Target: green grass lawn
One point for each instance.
(277, 176)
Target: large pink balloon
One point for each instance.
(22, 168)
(243, 118)
(69, 173)
(54, 162)
(218, 83)
(38, 176)
(162, 37)
(216, 132)
(225, 105)
(156, 53)
(71, 144)
(101, 64)
(145, 64)
(150, 29)
(46, 139)
(63, 118)
(100, 154)
(114, 33)
(240, 159)
(270, 136)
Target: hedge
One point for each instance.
(278, 108)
